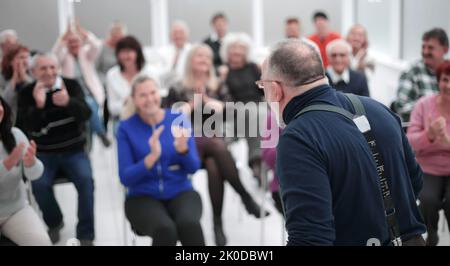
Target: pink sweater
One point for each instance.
(434, 158)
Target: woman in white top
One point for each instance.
(360, 59)
(18, 220)
(131, 63)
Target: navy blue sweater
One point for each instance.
(328, 179)
(169, 175)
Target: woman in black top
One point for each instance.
(239, 78)
(199, 82)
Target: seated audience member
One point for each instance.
(420, 79)
(269, 157)
(360, 59)
(429, 135)
(219, 23)
(8, 38)
(323, 35)
(238, 78)
(130, 64)
(199, 81)
(107, 60)
(18, 220)
(174, 55)
(340, 76)
(15, 70)
(155, 159)
(292, 30)
(53, 112)
(107, 57)
(77, 53)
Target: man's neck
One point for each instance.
(434, 67)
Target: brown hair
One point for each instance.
(7, 67)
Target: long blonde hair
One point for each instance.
(188, 80)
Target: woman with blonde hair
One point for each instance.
(156, 157)
(199, 82)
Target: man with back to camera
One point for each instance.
(330, 187)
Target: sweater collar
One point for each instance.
(302, 101)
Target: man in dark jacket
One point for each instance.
(339, 74)
(328, 178)
(53, 113)
(219, 23)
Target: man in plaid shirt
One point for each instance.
(420, 79)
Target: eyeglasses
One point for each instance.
(260, 83)
(334, 55)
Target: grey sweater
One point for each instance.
(13, 194)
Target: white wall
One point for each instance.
(197, 14)
(383, 21)
(97, 16)
(276, 12)
(419, 17)
(36, 22)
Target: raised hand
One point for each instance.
(154, 143)
(83, 33)
(181, 136)
(39, 94)
(61, 98)
(14, 157)
(29, 159)
(436, 128)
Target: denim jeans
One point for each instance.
(77, 167)
(95, 123)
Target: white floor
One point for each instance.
(240, 228)
(112, 229)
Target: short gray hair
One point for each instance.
(141, 79)
(295, 62)
(4, 34)
(119, 25)
(183, 25)
(239, 38)
(37, 56)
(339, 42)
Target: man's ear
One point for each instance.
(278, 92)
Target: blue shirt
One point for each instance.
(328, 179)
(169, 176)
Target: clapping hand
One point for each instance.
(155, 148)
(14, 157)
(437, 129)
(154, 143)
(29, 159)
(181, 136)
(61, 98)
(39, 94)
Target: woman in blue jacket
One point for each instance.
(156, 155)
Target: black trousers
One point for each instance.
(435, 196)
(167, 221)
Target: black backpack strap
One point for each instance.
(326, 108)
(357, 104)
(361, 121)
